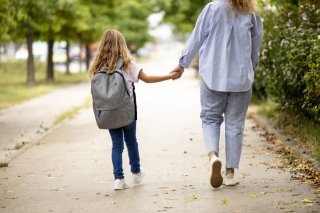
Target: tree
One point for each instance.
(98, 21)
(67, 18)
(50, 26)
(77, 18)
(28, 15)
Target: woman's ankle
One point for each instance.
(212, 155)
(229, 171)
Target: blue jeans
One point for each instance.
(234, 107)
(118, 136)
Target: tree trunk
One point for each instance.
(0, 51)
(68, 58)
(50, 73)
(80, 56)
(88, 55)
(30, 62)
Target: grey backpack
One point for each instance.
(112, 105)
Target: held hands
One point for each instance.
(174, 75)
(177, 72)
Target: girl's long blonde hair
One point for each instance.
(111, 48)
(243, 6)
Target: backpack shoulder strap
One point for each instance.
(123, 79)
(135, 101)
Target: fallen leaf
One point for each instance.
(50, 174)
(253, 195)
(12, 198)
(225, 201)
(307, 200)
(194, 196)
(168, 207)
(263, 193)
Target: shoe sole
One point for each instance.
(216, 177)
(230, 182)
(118, 189)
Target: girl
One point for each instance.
(228, 34)
(112, 48)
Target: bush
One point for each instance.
(290, 60)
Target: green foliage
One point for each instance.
(64, 20)
(28, 16)
(74, 20)
(182, 13)
(289, 67)
(81, 21)
(130, 17)
(6, 20)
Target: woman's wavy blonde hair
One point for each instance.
(112, 48)
(243, 6)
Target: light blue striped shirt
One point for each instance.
(229, 46)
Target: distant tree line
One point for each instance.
(73, 21)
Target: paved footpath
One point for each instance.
(70, 169)
(27, 122)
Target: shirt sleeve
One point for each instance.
(197, 37)
(257, 32)
(134, 72)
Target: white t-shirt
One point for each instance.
(131, 76)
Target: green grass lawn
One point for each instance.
(13, 88)
(303, 131)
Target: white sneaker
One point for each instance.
(215, 177)
(229, 180)
(137, 178)
(120, 184)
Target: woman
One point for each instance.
(228, 34)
